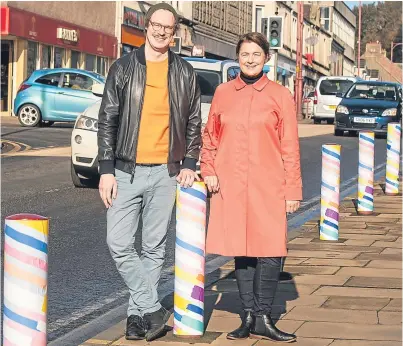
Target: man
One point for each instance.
(149, 139)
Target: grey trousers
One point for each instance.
(152, 197)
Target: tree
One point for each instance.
(381, 22)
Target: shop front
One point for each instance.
(132, 33)
(32, 42)
(286, 71)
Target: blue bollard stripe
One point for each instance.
(31, 324)
(26, 239)
(196, 309)
(366, 167)
(194, 193)
(331, 153)
(328, 186)
(189, 247)
(392, 183)
(368, 198)
(330, 224)
(365, 138)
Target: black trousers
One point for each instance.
(257, 280)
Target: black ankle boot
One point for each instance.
(243, 331)
(264, 328)
(135, 328)
(155, 323)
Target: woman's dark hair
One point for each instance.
(255, 37)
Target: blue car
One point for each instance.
(51, 95)
(369, 105)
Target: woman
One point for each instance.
(250, 161)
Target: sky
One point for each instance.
(351, 4)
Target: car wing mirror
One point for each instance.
(98, 89)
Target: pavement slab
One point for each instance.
(394, 305)
(370, 272)
(390, 317)
(356, 303)
(376, 282)
(384, 264)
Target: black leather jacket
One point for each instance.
(121, 107)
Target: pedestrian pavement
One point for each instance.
(343, 293)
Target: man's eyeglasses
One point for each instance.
(158, 27)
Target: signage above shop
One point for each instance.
(133, 18)
(67, 35)
(176, 45)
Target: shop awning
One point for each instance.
(34, 27)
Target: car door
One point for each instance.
(75, 95)
(47, 87)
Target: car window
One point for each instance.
(372, 91)
(334, 86)
(208, 82)
(77, 81)
(233, 73)
(49, 79)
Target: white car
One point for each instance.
(328, 94)
(84, 147)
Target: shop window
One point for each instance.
(90, 62)
(59, 57)
(51, 79)
(75, 59)
(77, 81)
(46, 56)
(101, 65)
(32, 57)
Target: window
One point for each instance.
(51, 79)
(334, 86)
(258, 19)
(208, 82)
(46, 56)
(59, 57)
(77, 81)
(100, 65)
(325, 18)
(233, 73)
(371, 91)
(32, 57)
(90, 62)
(75, 59)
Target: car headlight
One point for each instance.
(342, 109)
(86, 123)
(391, 112)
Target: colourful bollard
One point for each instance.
(189, 260)
(330, 192)
(366, 173)
(25, 280)
(393, 159)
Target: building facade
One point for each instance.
(37, 35)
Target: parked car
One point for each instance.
(52, 95)
(369, 105)
(84, 148)
(307, 104)
(327, 96)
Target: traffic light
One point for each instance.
(275, 32)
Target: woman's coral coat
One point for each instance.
(251, 144)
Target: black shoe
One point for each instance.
(243, 331)
(155, 323)
(285, 276)
(135, 328)
(264, 328)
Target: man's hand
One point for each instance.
(292, 206)
(212, 183)
(186, 177)
(108, 189)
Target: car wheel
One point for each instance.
(338, 133)
(330, 121)
(81, 182)
(29, 115)
(352, 133)
(316, 121)
(47, 123)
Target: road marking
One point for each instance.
(46, 152)
(18, 147)
(97, 342)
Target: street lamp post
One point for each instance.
(359, 39)
(299, 60)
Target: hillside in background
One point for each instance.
(381, 22)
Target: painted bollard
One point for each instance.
(25, 280)
(365, 204)
(189, 260)
(393, 159)
(330, 192)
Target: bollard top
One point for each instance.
(24, 216)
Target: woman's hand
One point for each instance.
(292, 206)
(212, 183)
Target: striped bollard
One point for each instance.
(366, 173)
(393, 159)
(189, 260)
(25, 280)
(330, 192)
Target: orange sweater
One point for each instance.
(153, 142)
